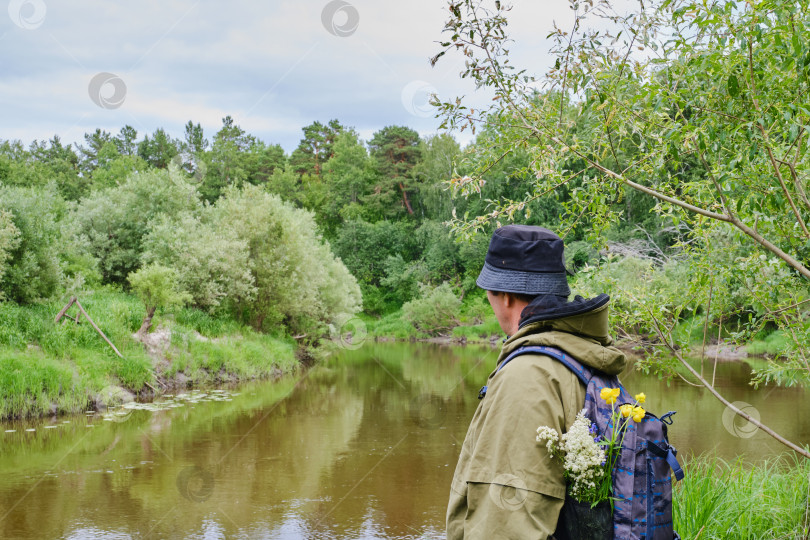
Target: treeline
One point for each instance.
(251, 231)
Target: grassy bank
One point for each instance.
(722, 500)
(62, 368)
(475, 322)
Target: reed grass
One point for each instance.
(718, 499)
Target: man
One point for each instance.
(506, 485)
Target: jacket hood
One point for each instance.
(583, 335)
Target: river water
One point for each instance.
(362, 446)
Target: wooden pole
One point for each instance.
(64, 310)
(97, 328)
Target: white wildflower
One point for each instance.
(545, 433)
(584, 459)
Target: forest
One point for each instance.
(295, 242)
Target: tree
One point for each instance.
(125, 141)
(299, 282)
(315, 148)
(227, 163)
(439, 157)
(159, 150)
(60, 164)
(157, 287)
(696, 105)
(263, 160)
(195, 141)
(95, 142)
(348, 179)
(31, 232)
(114, 221)
(395, 150)
(364, 247)
(114, 168)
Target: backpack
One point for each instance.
(642, 486)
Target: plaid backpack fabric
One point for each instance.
(642, 485)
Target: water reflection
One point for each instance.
(361, 447)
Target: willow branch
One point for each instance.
(770, 246)
(775, 166)
(768, 148)
(667, 340)
(797, 182)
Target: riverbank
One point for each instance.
(50, 369)
(477, 326)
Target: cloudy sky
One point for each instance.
(275, 65)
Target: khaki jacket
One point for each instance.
(506, 485)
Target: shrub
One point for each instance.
(9, 240)
(436, 312)
(114, 221)
(298, 281)
(32, 269)
(212, 263)
(157, 287)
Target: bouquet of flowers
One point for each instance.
(588, 458)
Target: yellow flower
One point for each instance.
(609, 395)
(638, 414)
(641, 398)
(626, 410)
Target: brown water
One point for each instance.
(362, 446)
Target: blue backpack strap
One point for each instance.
(667, 453)
(584, 373)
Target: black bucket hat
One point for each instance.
(524, 259)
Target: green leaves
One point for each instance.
(157, 287)
(733, 86)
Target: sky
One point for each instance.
(275, 66)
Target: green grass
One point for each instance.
(768, 341)
(482, 331)
(722, 500)
(30, 383)
(773, 344)
(392, 325)
(238, 356)
(477, 323)
(62, 367)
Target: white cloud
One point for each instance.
(271, 65)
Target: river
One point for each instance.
(361, 446)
